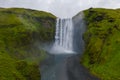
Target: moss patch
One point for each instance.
(102, 39)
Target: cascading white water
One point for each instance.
(68, 36)
(64, 36)
(64, 33)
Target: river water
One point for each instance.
(64, 67)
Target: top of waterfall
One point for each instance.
(79, 13)
(64, 18)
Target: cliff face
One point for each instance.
(102, 38)
(21, 33)
(80, 28)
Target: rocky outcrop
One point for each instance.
(80, 28)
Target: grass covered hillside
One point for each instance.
(21, 33)
(102, 38)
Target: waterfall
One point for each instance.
(64, 34)
(68, 35)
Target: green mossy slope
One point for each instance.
(11, 69)
(21, 33)
(102, 38)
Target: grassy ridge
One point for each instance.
(102, 39)
(21, 33)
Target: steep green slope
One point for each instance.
(11, 69)
(22, 32)
(102, 38)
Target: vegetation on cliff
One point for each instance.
(102, 40)
(22, 31)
